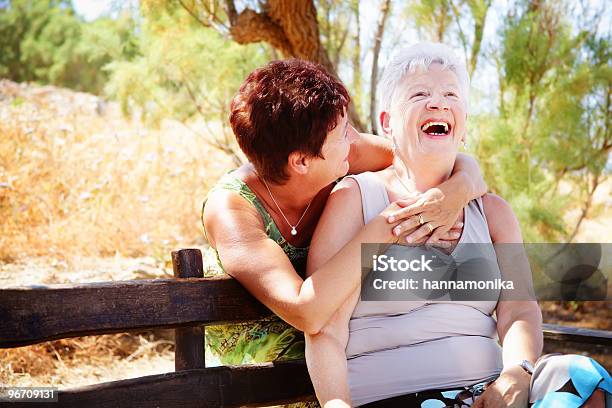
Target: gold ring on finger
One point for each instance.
(421, 221)
(430, 227)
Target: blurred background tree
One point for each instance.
(541, 74)
(45, 41)
(553, 119)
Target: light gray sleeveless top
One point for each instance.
(402, 347)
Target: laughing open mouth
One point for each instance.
(436, 128)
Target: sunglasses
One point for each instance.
(466, 398)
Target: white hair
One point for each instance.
(418, 58)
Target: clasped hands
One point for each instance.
(425, 218)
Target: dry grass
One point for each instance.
(76, 178)
(87, 360)
(81, 190)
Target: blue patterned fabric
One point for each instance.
(583, 376)
(559, 381)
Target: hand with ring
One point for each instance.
(433, 218)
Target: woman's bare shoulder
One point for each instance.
(495, 204)
(226, 213)
(346, 183)
(350, 182)
(503, 224)
(345, 198)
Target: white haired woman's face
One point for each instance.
(428, 113)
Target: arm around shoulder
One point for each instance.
(370, 153)
(260, 265)
(469, 168)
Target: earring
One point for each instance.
(465, 145)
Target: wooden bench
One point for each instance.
(35, 314)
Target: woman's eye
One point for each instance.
(418, 94)
(454, 95)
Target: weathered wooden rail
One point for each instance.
(35, 314)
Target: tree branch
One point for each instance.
(380, 30)
(290, 27)
(587, 205)
(480, 18)
(250, 26)
(230, 9)
(462, 36)
(193, 14)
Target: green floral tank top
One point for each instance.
(269, 339)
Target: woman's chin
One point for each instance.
(438, 151)
(438, 142)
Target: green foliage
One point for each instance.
(554, 123)
(335, 20)
(181, 70)
(431, 17)
(44, 41)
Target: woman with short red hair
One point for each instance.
(290, 119)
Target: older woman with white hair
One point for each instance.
(435, 353)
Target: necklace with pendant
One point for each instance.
(293, 227)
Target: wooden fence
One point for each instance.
(35, 314)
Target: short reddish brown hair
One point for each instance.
(283, 107)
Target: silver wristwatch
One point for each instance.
(527, 366)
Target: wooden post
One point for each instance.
(189, 341)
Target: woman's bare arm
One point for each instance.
(326, 357)
(325, 351)
(373, 153)
(442, 205)
(518, 321)
(235, 229)
(468, 167)
(370, 153)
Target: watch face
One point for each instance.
(527, 366)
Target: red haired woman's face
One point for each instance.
(284, 107)
(335, 151)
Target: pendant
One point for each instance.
(293, 231)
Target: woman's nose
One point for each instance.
(437, 102)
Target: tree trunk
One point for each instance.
(380, 30)
(356, 59)
(289, 26)
(444, 7)
(479, 12)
